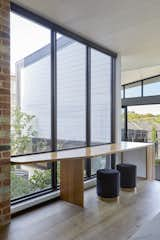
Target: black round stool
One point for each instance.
(128, 173)
(108, 183)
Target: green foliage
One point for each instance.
(151, 122)
(154, 135)
(58, 173)
(21, 186)
(132, 116)
(40, 179)
(157, 119)
(22, 131)
(157, 161)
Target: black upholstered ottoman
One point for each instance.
(108, 183)
(128, 173)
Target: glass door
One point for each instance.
(143, 123)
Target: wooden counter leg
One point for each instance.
(71, 181)
(150, 163)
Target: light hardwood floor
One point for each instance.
(97, 221)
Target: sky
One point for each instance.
(144, 109)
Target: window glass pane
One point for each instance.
(151, 87)
(122, 92)
(71, 93)
(100, 97)
(27, 179)
(97, 163)
(143, 126)
(133, 90)
(123, 130)
(30, 86)
(30, 102)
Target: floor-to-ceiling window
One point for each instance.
(61, 97)
(144, 126)
(100, 98)
(142, 115)
(124, 123)
(30, 103)
(71, 93)
(100, 104)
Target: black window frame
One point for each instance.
(152, 80)
(140, 100)
(133, 84)
(55, 28)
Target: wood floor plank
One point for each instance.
(98, 220)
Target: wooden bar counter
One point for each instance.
(72, 165)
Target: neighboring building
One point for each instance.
(33, 82)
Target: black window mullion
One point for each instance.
(53, 106)
(113, 108)
(142, 88)
(126, 123)
(123, 91)
(88, 108)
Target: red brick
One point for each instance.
(5, 110)
(3, 77)
(4, 162)
(4, 204)
(6, 154)
(4, 70)
(4, 197)
(7, 218)
(4, 28)
(5, 127)
(6, 182)
(4, 91)
(4, 105)
(4, 13)
(4, 57)
(4, 141)
(4, 98)
(6, 210)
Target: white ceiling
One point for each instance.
(129, 27)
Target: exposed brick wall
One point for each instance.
(4, 112)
